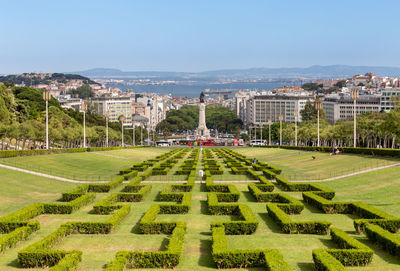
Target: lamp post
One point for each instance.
(261, 128)
(148, 135)
(250, 133)
(296, 115)
(107, 115)
(269, 131)
(46, 97)
(355, 96)
(318, 107)
(121, 120)
(134, 134)
(150, 121)
(255, 133)
(141, 134)
(280, 129)
(84, 108)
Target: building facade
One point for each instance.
(342, 108)
(115, 106)
(262, 108)
(386, 97)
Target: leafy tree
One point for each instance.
(310, 113)
(83, 92)
(341, 84)
(310, 86)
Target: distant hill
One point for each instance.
(316, 71)
(31, 79)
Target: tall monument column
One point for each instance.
(202, 131)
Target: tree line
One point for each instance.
(374, 129)
(187, 119)
(22, 121)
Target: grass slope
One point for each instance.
(297, 165)
(102, 165)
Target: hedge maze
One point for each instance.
(229, 212)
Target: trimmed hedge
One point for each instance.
(237, 258)
(363, 151)
(15, 153)
(387, 240)
(148, 225)
(68, 208)
(11, 239)
(351, 253)
(39, 255)
(108, 205)
(289, 226)
(285, 202)
(169, 258)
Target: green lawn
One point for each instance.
(380, 189)
(297, 165)
(18, 189)
(102, 165)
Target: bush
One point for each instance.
(235, 258)
(289, 226)
(11, 239)
(68, 208)
(387, 240)
(152, 259)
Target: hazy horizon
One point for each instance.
(179, 36)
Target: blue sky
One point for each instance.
(168, 35)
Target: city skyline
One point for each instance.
(48, 36)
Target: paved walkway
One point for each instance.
(216, 181)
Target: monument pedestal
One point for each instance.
(202, 132)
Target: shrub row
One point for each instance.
(39, 254)
(387, 240)
(107, 205)
(148, 225)
(285, 202)
(69, 207)
(363, 151)
(351, 253)
(15, 153)
(12, 238)
(169, 258)
(240, 258)
(317, 189)
(289, 226)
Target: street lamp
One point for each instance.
(46, 97)
(121, 120)
(280, 129)
(296, 115)
(84, 108)
(148, 135)
(261, 127)
(150, 121)
(141, 134)
(134, 135)
(107, 115)
(318, 107)
(269, 130)
(355, 96)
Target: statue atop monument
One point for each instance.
(202, 97)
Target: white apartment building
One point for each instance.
(386, 96)
(262, 108)
(115, 106)
(342, 107)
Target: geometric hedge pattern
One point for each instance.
(222, 200)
